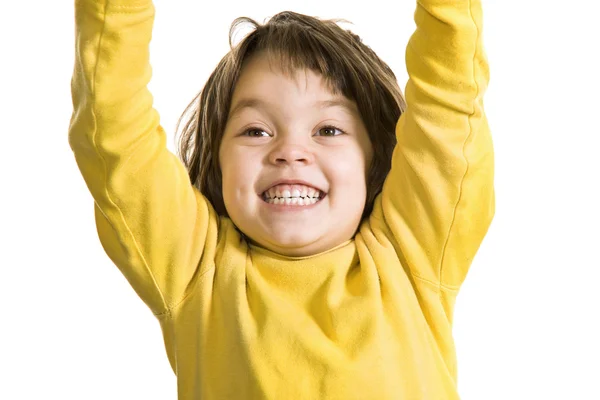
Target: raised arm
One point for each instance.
(150, 220)
(438, 200)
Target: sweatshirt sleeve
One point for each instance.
(438, 200)
(151, 221)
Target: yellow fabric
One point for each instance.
(370, 319)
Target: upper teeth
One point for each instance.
(292, 194)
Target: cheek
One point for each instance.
(229, 172)
(238, 172)
(347, 169)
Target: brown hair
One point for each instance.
(298, 42)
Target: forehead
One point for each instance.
(266, 82)
(261, 70)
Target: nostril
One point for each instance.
(285, 160)
(289, 154)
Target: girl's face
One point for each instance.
(294, 159)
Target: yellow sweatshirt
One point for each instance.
(369, 319)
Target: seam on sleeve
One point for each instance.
(436, 285)
(138, 5)
(93, 111)
(106, 7)
(445, 247)
(170, 309)
(129, 6)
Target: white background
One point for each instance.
(527, 324)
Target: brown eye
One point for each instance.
(329, 131)
(255, 132)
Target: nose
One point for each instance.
(287, 153)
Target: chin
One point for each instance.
(292, 246)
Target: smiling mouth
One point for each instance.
(292, 195)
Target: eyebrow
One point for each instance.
(260, 104)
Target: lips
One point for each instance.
(293, 193)
(294, 182)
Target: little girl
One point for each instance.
(313, 240)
